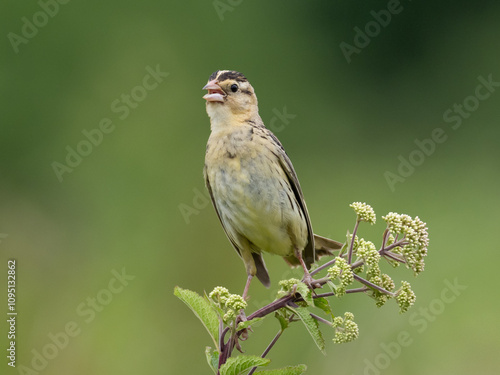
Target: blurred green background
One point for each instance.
(120, 208)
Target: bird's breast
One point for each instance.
(252, 193)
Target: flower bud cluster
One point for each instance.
(229, 304)
(343, 272)
(364, 211)
(415, 233)
(346, 330)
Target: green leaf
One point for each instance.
(238, 365)
(284, 322)
(305, 292)
(332, 286)
(290, 370)
(202, 310)
(312, 326)
(212, 359)
(323, 304)
(248, 323)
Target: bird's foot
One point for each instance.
(310, 282)
(244, 333)
(242, 317)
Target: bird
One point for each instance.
(252, 183)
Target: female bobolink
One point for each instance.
(252, 183)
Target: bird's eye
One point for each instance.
(234, 87)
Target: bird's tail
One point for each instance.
(262, 273)
(325, 247)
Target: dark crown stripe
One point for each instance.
(214, 75)
(231, 74)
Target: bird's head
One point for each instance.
(230, 94)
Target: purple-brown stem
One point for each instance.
(269, 347)
(372, 285)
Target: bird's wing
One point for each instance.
(260, 266)
(309, 255)
(231, 239)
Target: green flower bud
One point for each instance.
(364, 211)
(415, 233)
(219, 294)
(370, 255)
(229, 316)
(343, 272)
(287, 285)
(236, 302)
(405, 297)
(346, 330)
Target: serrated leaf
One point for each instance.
(248, 323)
(212, 358)
(202, 309)
(311, 325)
(305, 292)
(323, 304)
(290, 370)
(238, 365)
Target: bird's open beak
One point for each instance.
(215, 92)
